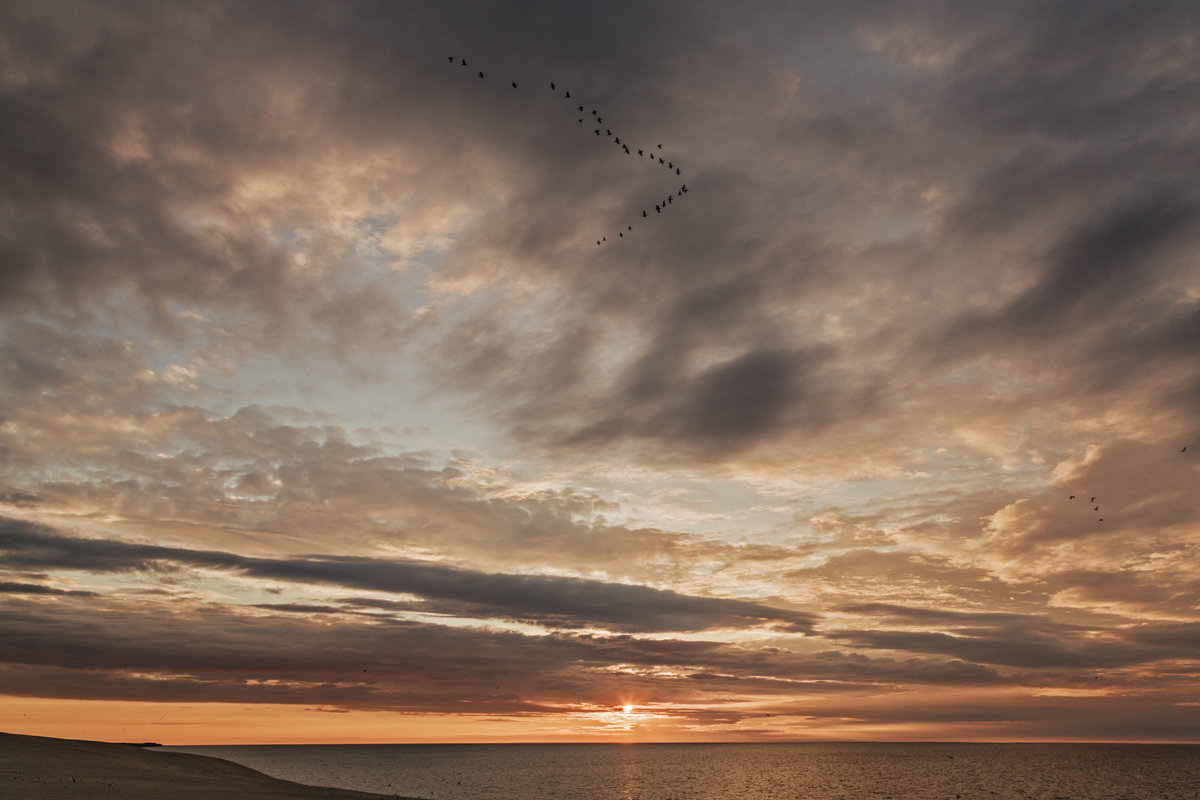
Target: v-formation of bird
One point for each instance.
(655, 155)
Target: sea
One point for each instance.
(775, 771)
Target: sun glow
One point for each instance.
(627, 709)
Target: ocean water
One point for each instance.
(774, 771)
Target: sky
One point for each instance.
(350, 396)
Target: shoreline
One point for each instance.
(44, 768)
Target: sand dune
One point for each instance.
(40, 768)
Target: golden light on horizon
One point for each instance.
(627, 709)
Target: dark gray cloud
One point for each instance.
(13, 587)
(239, 655)
(1091, 274)
(1017, 640)
(550, 600)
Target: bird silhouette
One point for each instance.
(481, 73)
(568, 94)
(464, 62)
(450, 59)
(514, 84)
(1093, 499)
(677, 170)
(621, 234)
(1097, 508)
(593, 112)
(670, 165)
(640, 153)
(552, 86)
(1072, 497)
(1184, 450)
(660, 159)
(657, 209)
(597, 131)
(607, 130)
(643, 213)
(660, 147)
(599, 119)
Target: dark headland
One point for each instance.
(41, 768)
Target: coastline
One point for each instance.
(43, 768)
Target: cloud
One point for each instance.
(550, 600)
(12, 587)
(305, 339)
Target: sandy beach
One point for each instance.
(40, 768)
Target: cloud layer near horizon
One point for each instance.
(307, 348)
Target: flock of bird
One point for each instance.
(1093, 500)
(654, 155)
(1094, 508)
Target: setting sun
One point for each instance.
(627, 709)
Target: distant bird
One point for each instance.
(643, 214)
(630, 227)
(1072, 497)
(660, 159)
(1093, 499)
(640, 153)
(597, 131)
(617, 139)
(599, 119)
(626, 148)
(450, 59)
(580, 119)
(514, 84)
(597, 243)
(552, 86)
(604, 238)
(657, 209)
(607, 131)
(568, 94)
(679, 193)
(670, 165)
(481, 73)
(581, 109)
(660, 147)
(1097, 508)
(677, 170)
(685, 188)
(1184, 450)
(593, 112)
(668, 198)
(1101, 519)
(622, 235)
(464, 62)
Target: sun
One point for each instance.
(627, 708)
